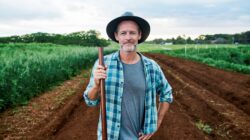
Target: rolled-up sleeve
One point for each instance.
(163, 87)
(88, 101)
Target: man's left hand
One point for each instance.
(146, 137)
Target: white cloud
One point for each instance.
(12, 10)
(167, 18)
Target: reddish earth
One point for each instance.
(203, 96)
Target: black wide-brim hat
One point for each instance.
(142, 23)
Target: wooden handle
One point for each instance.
(103, 97)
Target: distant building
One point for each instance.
(219, 40)
(168, 43)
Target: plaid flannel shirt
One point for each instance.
(155, 83)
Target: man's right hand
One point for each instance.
(99, 73)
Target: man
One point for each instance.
(132, 83)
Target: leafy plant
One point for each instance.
(29, 69)
(204, 127)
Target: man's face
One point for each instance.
(128, 35)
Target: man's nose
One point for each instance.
(128, 36)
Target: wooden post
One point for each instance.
(103, 97)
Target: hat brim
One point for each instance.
(142, 23)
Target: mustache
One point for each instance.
(128, 42)
(131, 47)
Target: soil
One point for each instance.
(208, 104)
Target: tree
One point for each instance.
(89, 38)
(179, 40)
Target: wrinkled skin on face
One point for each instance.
(127, 35)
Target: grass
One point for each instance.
(60, 99)
(227, 57)
(204, 127)
(158, 48)
(29, 69)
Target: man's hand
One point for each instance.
(162, 110)
(99, 73)
(145, 137)
(148, 136)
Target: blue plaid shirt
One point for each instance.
(155, 83)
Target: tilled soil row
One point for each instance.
(231, 86)
(228, 120)
(194, 102)
(202, 95)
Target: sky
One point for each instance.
(167, 18)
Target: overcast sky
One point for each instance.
(168, 18)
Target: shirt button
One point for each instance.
(118, 125)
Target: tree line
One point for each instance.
(82, 38)
(240, 38)
(92, 38)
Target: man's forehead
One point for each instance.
(127, 22)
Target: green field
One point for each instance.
(29, 69)
(159, 48)
(227, 57)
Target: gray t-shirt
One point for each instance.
(132, 101)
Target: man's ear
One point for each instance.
(116, 35)
(139, 35)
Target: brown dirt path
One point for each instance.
(201, 95)
(83, 125)
(214, 96)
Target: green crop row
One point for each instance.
(228, 58)
(29, 69)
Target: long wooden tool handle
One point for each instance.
(103, 97)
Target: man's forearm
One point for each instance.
(162, 110)
(94, 93)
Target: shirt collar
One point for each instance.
(116, 56)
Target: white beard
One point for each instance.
(128, 49)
